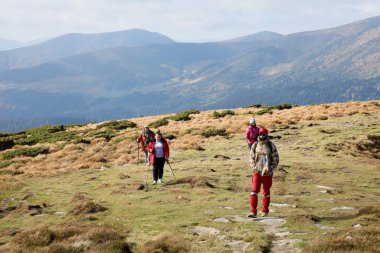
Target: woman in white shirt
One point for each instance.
(159, 153)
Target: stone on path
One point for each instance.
(205, 231)
(238, 246)
(285, 246)
(283, 205)
(323, 227)
(343, 208)
(223, 220)
(325, 187)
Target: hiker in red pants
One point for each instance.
(264, 160)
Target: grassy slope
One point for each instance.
(177, 208)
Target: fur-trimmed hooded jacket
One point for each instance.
(264, 157)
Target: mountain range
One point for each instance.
(94, 77)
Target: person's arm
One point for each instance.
(166, 150)
(252, 161)
(150, 147)
(246, 136)
(275, 158)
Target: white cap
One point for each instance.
(252, 121)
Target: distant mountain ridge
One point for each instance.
(75, 43)
(115, 75)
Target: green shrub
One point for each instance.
(169, 136)
(191, 130)
(47, 137)
(263, 111)
(117, 125)
(268, 109)
(31, 152)
(108, 134)
(6, 143)
(217, 115)
(47, 129)
(214, 132)
(254, 105)
(159, 123)
(13, 136)
(282, 106)
(11, 172)
(184, 116)
(4, 164)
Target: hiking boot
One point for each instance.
(154, 182)
(264, 214)
(159, 181)
(252, 215)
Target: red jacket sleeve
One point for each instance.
(166, 150)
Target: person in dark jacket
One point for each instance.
(145, 137)
(159, 153)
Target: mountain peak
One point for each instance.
(260, 36)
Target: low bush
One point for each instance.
(13, 136)
(44, 134)
(47, 129)
(30, 152)
(191, 130)
(159, 123)
(108, 134)
(169, 136)
(5, 164)
(254, 105)
(217, 115)
(6, 143)
(213, 132)
(269, 109)
(11, 172)
(117, 125)
(183, 116)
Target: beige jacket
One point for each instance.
(264, 157)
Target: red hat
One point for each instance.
(263, 131)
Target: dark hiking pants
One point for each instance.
(158, 168)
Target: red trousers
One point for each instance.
(257, 180)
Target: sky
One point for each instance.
(181, 20)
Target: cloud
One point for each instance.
(183, 20)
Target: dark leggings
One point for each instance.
(158, 168)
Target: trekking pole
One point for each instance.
(171, 169)
(146, 179)
(138, 153)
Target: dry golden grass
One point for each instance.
(101, 152)
(359, 240)
(71, 238)
(165, 243)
